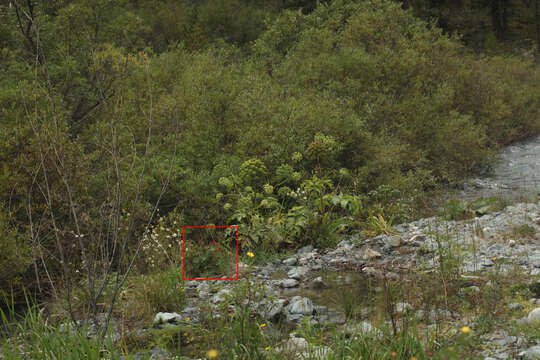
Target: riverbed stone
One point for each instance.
(165, 317)
(290, 261)
(298, 273)
(394, 240)
(300, 305)
(370, 254)
(534, 316)
(274, 310)
(289, 283)
(221, 296)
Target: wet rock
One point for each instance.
(300, 305)
(298, 273)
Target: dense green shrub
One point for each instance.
(208, 259)
(359, 104)
(15, 255)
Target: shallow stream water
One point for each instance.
(515, 175)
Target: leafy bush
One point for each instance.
(208, 259)
(15, 256)
(312, 213)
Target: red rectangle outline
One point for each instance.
(184, 251)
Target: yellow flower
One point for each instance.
(212, 354)
(250, 254)
(187, 319)
(465, 329)
(494, 258)
(262, 325)
(267, 348)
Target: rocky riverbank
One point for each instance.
(504, 241)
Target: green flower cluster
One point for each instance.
(226, 182)
(296, 157)
(321, 147)
(252, 170)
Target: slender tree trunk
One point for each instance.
(499, 18)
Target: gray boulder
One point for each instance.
(165, 317)
(300, 305)
(534, 316)
(298, 273)
(289, 283)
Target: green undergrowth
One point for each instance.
(315, 127)
(478, 303)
